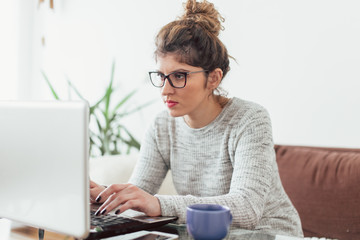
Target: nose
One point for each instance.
(167, 88)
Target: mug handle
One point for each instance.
(231, 218)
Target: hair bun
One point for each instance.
(204, 14)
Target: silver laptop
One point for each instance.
(44, 178)
(43, 165)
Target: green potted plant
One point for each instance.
(108, 135)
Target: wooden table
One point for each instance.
(15, 231)
(27, 233)
(21, 232)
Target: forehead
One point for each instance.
(171, 62)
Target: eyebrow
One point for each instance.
(177, 70)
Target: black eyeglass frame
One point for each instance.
(168, 78)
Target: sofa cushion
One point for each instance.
(324, 186)
(107, 170)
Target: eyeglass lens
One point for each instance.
(176, 79)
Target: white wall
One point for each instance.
(8, 50)
(300, 59)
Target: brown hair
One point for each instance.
(194, 37)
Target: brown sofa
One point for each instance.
(324, 186)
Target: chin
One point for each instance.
(174, 113)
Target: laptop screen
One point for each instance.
(44, 165)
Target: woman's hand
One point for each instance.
(95, 190)
(127, 196)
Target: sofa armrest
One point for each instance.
(323, 184)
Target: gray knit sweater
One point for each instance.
(231, 162)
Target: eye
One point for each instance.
(179, 76)
(158, 75)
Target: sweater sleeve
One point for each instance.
(253, 162)
(151, 168)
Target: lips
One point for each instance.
(171, 104)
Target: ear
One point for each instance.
(214, 78)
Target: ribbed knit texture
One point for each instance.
(230, 162)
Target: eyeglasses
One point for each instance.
(176, 79)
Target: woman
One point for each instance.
(220, 150)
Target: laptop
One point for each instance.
(44, 180)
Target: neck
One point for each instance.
(206, 115)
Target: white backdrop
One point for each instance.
(8, 49)
(299, 59)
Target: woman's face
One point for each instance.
(191, 100)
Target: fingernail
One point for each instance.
(103, 212)
(97, 213)
(117, 211)
(98, 199)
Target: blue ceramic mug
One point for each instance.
(208, 221)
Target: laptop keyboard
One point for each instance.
(111, 225)
(108, 220)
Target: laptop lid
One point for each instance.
(44, 165)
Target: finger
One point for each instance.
(107, 192)
(101, 208)
(147, 204)
(111, 203)
(94, 192)
(117, 199)
(93, 184)
(120, 193)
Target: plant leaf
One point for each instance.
(72, 86)
(119, 115)
(96, 105)
(107, 135)
(50, 86)
(100, 128)
(133, 142)
(124, 100)
(109, 90)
